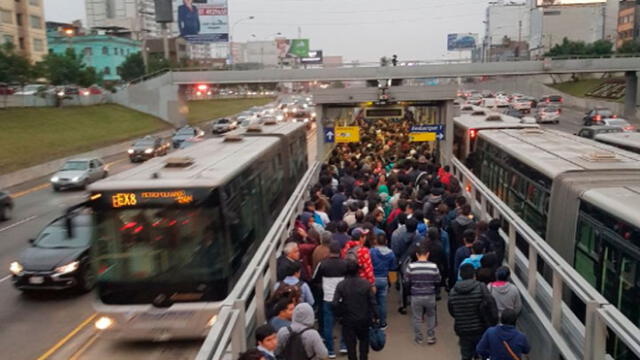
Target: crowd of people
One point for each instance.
(386, 216)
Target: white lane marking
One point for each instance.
(18, 223)
(5, 278)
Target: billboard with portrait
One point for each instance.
(202, 21)
(459, 41)
(567, 2)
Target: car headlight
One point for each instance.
(103, 323)
(130, 151)
(77, 178)
(16, 268)
(148, 151)
(305, 120)
(55, 179)
(68, 268)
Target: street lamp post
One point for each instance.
(231, 36)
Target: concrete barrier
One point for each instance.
(52, 166)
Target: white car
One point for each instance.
(30, 89)
(618, 122)
(549, 114)
(522, 105)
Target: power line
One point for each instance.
(354, 12)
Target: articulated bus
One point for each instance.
(174, 235)
(629, 141)
(581, 196)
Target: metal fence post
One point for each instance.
(483, 207)
(595, 333)
(261, 316)
(556, 306)
(532, 280)
(239, 339)
(512, 247)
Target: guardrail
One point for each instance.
(573, 339)
(244, 307)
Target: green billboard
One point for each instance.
(299, 48)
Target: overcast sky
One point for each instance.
(356, 29)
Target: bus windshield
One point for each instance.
(169, 249)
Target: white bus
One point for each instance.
(629, 141)
(174, 234)
(581, 196)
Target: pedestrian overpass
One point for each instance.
(553, 329)
(160, 95)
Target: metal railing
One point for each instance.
(244, 306)
(572, 338)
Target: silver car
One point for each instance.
(78, 173)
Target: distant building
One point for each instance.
(255, 52)
(588, 22)
(135, 15)
(332, 61)
(507, 19)
(628, 22)
(22, 24)
(178, 49)
(101, 49)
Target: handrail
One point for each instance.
(229, 330)
(599, 312)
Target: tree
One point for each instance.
(132, 67)
(68, 68)
(629, 47)
(600, 47)
(14, 68)
(577, 48)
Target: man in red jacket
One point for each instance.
(357, 251)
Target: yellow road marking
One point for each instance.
(68, 337)
(46, 185)
(84, 347)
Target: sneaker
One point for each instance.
(343, 351)
(418, 341)
(384, 326)
(431, 340)
(402, 310)
(332, 355)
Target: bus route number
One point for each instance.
(124, 199)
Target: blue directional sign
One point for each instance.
(329, 135)
(419, 133)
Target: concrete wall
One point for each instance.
(36, 101)
(158, 96)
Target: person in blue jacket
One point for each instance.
(188, 19)
(504, 341)
(383, 261)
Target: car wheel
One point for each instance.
(56, 188)
(105, 174)
(84, 184)
(86, 279)
(6, 213)
(557, 122)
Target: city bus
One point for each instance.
(629, 141)
(581, 196)
(173, 235)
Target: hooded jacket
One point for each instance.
(464, 306)
(303, 318)
(506, 296)
(459, 225)
(383, 261)
(491, 344)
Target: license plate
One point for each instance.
(36, 280)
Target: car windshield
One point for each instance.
(144, 143)
(32, 87)
(185, 131)
(246, 122)
(522, 100)
(56, 237)
(550, 109)
(76, 165)
(223, 121)
(604, 112)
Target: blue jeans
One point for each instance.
(328, 320)
(382, 290)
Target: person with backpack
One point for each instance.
(292, 278)
(329, 273)
(473, 310)
(356, 250)
(383, 261)
(423, 278)
(300, 341)
(355, 304)
(504, 341)
(267, 340)
(475, 259)
(462, 253)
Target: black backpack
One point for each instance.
(294, 348)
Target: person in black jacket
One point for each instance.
(328, 274)
(355, 303)
(472, 309)
(496, 243)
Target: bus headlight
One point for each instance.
(103, 323)
(212, 320)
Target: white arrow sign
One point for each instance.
(329, 135)
(440, 136)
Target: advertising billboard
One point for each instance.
(292, 48)
(466, 41)
(314, 57)
(543, 3)
(202, 21)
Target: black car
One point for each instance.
(147, 148)
(55, 261)
(595, 116)
(6, 206)
(184, 133)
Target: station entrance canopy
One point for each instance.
(338, 112)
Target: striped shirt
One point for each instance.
(422, 277)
